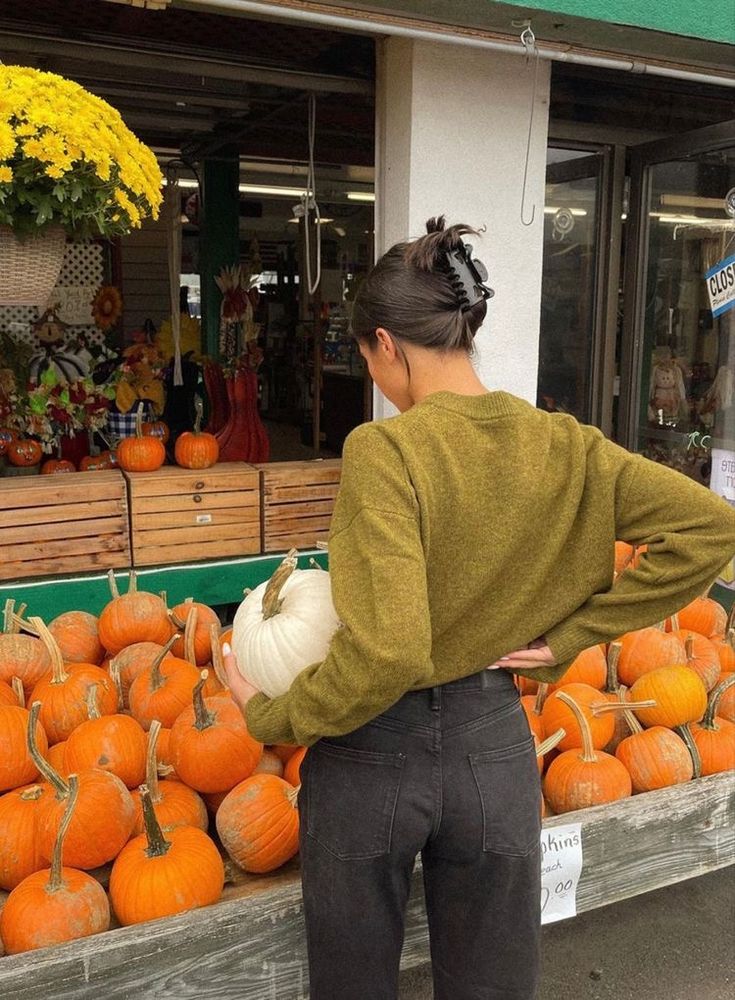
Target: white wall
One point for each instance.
(452, 128)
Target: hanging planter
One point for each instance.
(29, 267)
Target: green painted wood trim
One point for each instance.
(219, 237)
(713, 21)
(214, 583)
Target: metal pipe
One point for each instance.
(380, 25)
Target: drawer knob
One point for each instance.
(199, 485)
(197, 498)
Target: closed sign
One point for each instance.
(721, 286)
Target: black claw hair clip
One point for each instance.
(467, 276)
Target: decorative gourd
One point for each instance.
(103, 818)
(163, 690)
(655, 757)
(532, 704)
(211, 748)
(595, 706)
(701, 656)
(678, 693)
(615, 692)
(705, 616)
(16, 764)
(140, 453)
(590, 668)
(57, 466)
(57, 904)
(292, 770)
(158, 875)
(63, 690)
(19, 855)
(578, 778)
(114, 743)
(132, 661)
(174, 803)
(196, 620)
(715, 736)
(77, 637)
(283, 626)
(22, 656)
(647, 649)
(258, 823)
(196, 449)
(24, 453)
(269, 763)
(546, 746)
(133, 617)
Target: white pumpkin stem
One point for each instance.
(550, 742)
(315, 565)
(272, 597)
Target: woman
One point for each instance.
(472, 531)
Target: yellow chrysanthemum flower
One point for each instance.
(6, 175)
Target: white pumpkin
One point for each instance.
(284, 625)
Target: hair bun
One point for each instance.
(426, 253)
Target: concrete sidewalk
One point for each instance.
(674, 944)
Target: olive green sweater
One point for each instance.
(469, 526)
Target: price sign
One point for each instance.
(561, 866)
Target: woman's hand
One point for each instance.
(536, 654)
(240, 689)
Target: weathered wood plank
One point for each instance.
(80, 510)
(321, 470)
(29, 533)
(207, 501)
(275, 494)
(182, 518)
(252, 947)
(72, 565)
(39, 548)
(298, 540)
(170, 479)
(297, 523)
(279, 512)
(36, 491)
(160, 555)
(195, 534)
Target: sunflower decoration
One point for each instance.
(107, 307)
(191, 337)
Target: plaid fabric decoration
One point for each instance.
(122, 425)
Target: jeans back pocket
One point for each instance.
(510, 796)
(351, 798)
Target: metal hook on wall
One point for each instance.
(528, 41)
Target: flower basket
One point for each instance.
(29, 268)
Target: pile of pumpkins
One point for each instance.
(120, 743)
(655, 708)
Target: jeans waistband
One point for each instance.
(483, 680)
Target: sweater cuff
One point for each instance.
(268, 720)
(567, 640)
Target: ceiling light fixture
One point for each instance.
(360, 196)
(553, 209)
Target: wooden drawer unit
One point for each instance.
(298, 500)
(185, 515)
(71, 523)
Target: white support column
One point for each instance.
(452, 128)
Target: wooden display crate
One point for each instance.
(63, 524)
(298, 500)
(186, 515)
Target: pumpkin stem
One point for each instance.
(588, 752)
(199, 409)
(709, 720)
(190, 634)
(20, 624)
(674, 622)
(114, 589)
(151, 762)
(612, 682)
(632, 722)
(550, 742)
(541, 695)
(156, 677)
(618, 706)
(92, 702)
(49, 773)
(164, 596)
(203, 718)
(117, 681)
(55, 880)
(292, 795)
(689, 647)
(60, 676)
(133, 582)
(8, 616)
(247, 591)
(684, 733)
(272, 597)
(730, 624)
(17, 685)
(176, 620)
(315, 565)
(32, 794)
(217, 661)
(730, 636)
(139, 422)
(157, 843)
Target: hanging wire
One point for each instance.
(309, 202)
(528, 41)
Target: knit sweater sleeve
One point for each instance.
(378, 577)
(690, 534)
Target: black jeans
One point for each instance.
(449, 772)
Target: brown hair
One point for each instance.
(409, 293)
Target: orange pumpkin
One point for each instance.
(258, 823)
(578, 778)
(132, 661)
(596, 708)
(623, 556)
(678, 693)
(715, 736)
(545, 746)
(114, 743)
(163, 690)
(158, 429)
(56, 466)
(292, 770)
(16, 764)
(159, 875)
(133, 617)
(614, 691)
(705, 616)
(726, 707)
(13, 693)
(19, 855)
(532, 704)
(213, 800)
(140, 453)
(24, 452)
(270, 763)
(196, 620)
(211, 748)
(726, 651)
(196, 449)
(590, 667)
(7, 434)
(647, 649)
(56, 756)
(285, 751)
(54, 905)
(63, 690)
(94, 463)
(22, 656)
(655, 757)
(77, 637)
(174, 803)
(701, 656)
